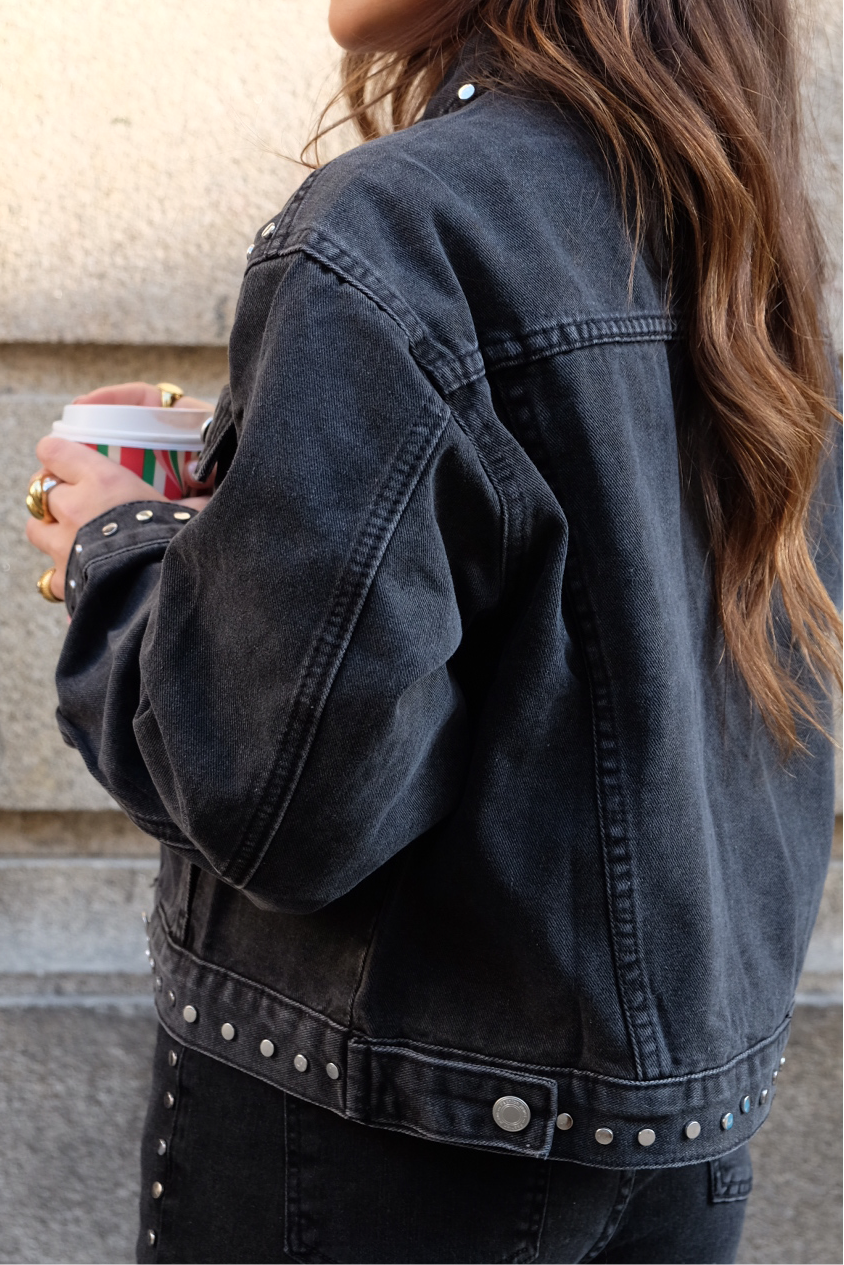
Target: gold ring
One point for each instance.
(36, 497)
(43, 585)
(170, 393)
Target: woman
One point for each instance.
(481, 710)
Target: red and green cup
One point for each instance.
(154, 443)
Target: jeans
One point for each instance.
(235, 1170)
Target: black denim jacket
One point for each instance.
(469, 830)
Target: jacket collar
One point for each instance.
(463, 72)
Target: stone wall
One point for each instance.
(142, 145)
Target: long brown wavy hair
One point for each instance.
(695, 104)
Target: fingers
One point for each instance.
(138, 393)
(68, 460)
(142, 393)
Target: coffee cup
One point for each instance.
(156, 444)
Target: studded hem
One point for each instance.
(453, 1096)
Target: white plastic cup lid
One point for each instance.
(132, 426)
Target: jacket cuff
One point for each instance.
(127, 529)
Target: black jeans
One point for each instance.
(235, 1170)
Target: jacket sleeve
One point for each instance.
(269, 686)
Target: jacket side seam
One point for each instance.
(634, 990)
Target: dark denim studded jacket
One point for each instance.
(469, 831)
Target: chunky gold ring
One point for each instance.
(170, 393)
(43, 585)
(36, 497)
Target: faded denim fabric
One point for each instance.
(429, 706)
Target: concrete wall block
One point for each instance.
(36, 769)
(142, 147)
(74, 915)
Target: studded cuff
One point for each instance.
(138, 526)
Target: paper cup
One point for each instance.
(156, 444)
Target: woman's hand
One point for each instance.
(138, 393)
(91, 483)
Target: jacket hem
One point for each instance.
(448, 1096)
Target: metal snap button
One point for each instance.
(182, 515)
(171, 997)
(172, 1058)
(267, 1048)
(332, 1071)
(162, 1146)
(727, 1120)
(143, 516)
(249, 251)
(190, 1014)
(564, 1121)
(604, 1136)
(511, 1114)
(204, 428)
(77, 548)
(692, 1129)
(169, 1101)
(646, 1137)
(744, 1105)
(227, 1032)
(300, 1063)
(466, 92)
(151, 1238)
(269, 230)
(157, 1190)
(109, 529)
(763, 1097)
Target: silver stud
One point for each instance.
(162, 1146)
(511, 1114)
(692, 1129)
(204, 428)
(77, 548)
(269, 230)
(72, 583)
(727, 1120)
(190, 1014)
(151, 1238)
(172, 1058)
(157, 1190)
(332, 1071)
(152, 964)
(169, 1101)
(267, 1048)
(466, 92)
(109, 529)
(227, 1032)
(143, 516)
(775, 1076)
(147, 953)
(300, 1063)
(564, 1121)
(763, 1097)
(782, 1061)
(604, 1136)
(249, 251)
(646, 1137)
(745, 1104)
(171, 997)
(182, 515)
(159, 983)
